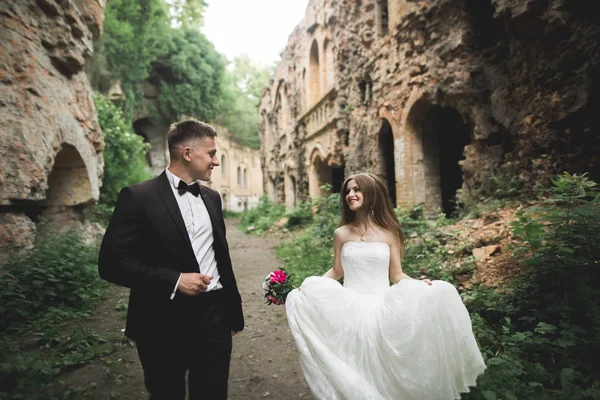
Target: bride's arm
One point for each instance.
(396, 273)
(337, 271)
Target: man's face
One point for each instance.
(203, 158)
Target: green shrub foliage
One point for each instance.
(61, 272)
(124, 152)
(541, 333)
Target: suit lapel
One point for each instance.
(212, 212)
(166, 192)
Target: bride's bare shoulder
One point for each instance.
(342, 234)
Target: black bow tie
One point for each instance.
(183, 187)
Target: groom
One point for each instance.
(166, 242)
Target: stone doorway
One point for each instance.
(320, 174)
(439, 137)
(156, 135)
(272, 190)
(445, 136)
(69, 189)
(291, 191)
(338, 179)
(387, 169)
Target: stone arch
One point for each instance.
(387, 160)
(439, 136)
(224, 165)
(156, 135)
(282, 108)
(68, 183)
(303, 91)
(266, 128)
(271, 183)
(225, 201)
(314, 74)
(320, 173)
(272, 190)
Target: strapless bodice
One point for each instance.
(366, 266)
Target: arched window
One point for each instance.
(224, 202)
(303, 92)
(314, 74)
(239, 176)
(245, 178)
(328, 77)
(223, 165)
(383, 17)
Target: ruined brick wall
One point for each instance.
(51, 144)
(485, 86)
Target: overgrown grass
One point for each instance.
(504, 187)
(262, 217)
(231, 214)
(61, 272)
(54, 285)
(539, 335)
(268, 213)
(311, 253)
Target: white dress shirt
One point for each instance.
(199, 229)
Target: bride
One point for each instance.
(367, 339)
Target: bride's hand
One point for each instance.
(427, 281)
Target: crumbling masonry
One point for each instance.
(433, 96)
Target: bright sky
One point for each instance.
(259, 28)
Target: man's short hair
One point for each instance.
(182, 132)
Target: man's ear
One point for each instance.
(186, 153)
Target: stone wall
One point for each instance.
(435, 96)
(50, 145)
(239, 178)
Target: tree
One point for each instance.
(124, 152)
(188, 13)
(245, 80)
(190, 76)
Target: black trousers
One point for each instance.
(203, 352)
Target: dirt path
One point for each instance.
(264, 362)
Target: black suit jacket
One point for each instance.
(146, 247)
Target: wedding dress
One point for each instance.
(370, 340)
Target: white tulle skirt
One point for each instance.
(410, 341)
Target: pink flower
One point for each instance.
(273, 300)
(278, 276)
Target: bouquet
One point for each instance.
(276, 286)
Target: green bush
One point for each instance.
(300, 216)
(263, 216)
(124, 152)
(311, 253)
(231, 214)
(541, 333)
(31, 373)
(503, 187)
(60, 272)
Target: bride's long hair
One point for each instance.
(377, 205)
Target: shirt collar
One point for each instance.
(174, 179)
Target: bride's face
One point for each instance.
(354, 197)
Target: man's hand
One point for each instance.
(193, 283)
(233, 333)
